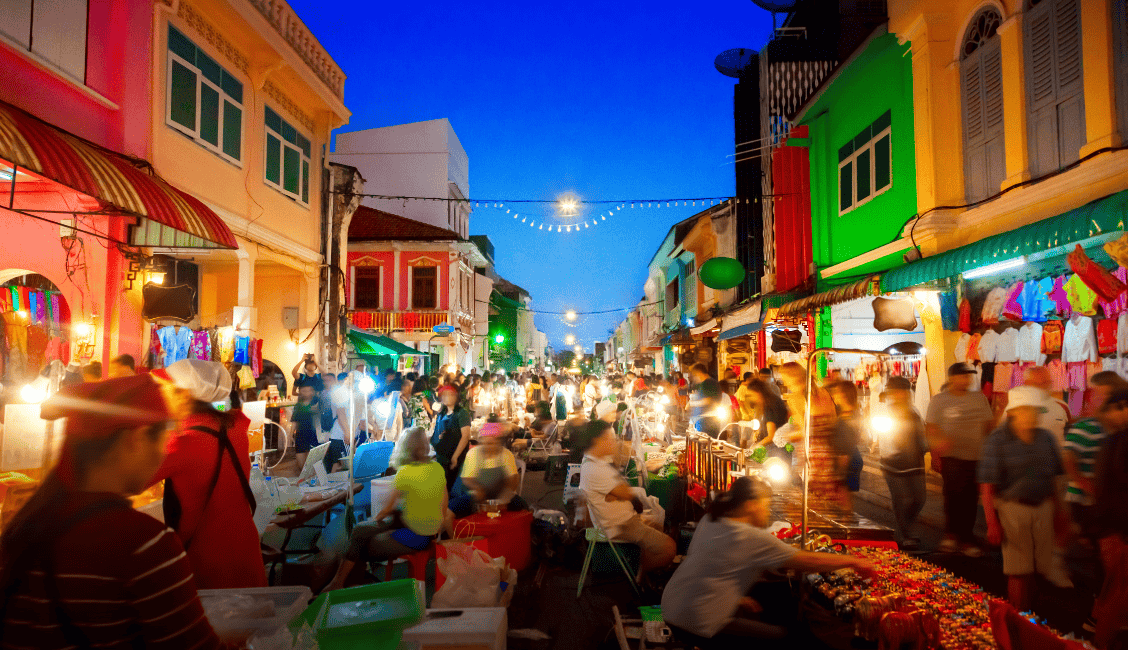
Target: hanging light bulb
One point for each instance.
(585, 224)
(605, 218)
(542, 227)
(522, 221)
(618, 207)
(632, 205)
(507, 212)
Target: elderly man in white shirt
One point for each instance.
(1055, 416)
(611, 503)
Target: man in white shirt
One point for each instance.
(611, 504)
(1056, 413)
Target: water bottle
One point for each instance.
(270, 488)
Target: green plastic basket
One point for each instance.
(370, 616)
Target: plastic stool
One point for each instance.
(417, 564)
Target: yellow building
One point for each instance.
(244, 100)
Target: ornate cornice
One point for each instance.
(284, 102)
(279, 14)
(204, 29)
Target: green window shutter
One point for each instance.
(291, 169)
(180, 44)
(305, 182)
(209, 114)
(862, 163)
(881, 163)
(845, 187)
(273, 121)
(182, 100)
(209, 68)
(232, 87)
(232, 130)
(273, 159)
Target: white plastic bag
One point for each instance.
(473, 579)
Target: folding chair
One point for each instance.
(521, 467)
(595, 535)
(543, 444)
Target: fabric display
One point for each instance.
(170, 344)
(1080, 340)
(961, 347)
(242, 353)
(31, 332)
(1094, 276)
(176, 341)
(1028, 346)
(949, 311)
(201, 346)
(989, 346)
(1106, 336)
(965, 316)
(993, 306)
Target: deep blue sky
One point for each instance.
(609, 100)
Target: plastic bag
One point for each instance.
(473, 579)
(284, 639)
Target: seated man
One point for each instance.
(490, 472)
(611, 503)
(537, 430)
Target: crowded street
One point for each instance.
(773, 324)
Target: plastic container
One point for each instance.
(277, 606)
(352, 618)
(483, 627)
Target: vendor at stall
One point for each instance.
(489, 473)
(451, 438)
(1019, 475)
(207, 496)
(80, 566)
(706, 600)
(415, 512)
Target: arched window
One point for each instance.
(1054, 87)
(981, 80)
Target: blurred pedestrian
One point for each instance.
(902, 445)
(1110, 512)
(848, 434)
(122, 366)
(824, 482)
(92, 372)
(708, 404)
(1056, 414)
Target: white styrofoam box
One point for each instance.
(474, 626)
(283, 603)
(382, 489)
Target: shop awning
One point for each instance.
(1101, 217)
(741, 322)
(120, 183)
(740, 330)
(701, 329)
(367, 344)
(859, 289)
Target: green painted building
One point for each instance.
(862, 160)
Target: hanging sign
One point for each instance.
(443, 330)
(722, 273)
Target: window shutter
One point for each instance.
(1055, 86)
(975, 178)
(1070, 82)
(993, 120)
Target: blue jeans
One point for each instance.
(908, 494)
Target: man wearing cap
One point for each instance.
(78, 565)
(956, 423)
(1019, 473)
(207, 497)
(489, 473)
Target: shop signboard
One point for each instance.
(443, 330)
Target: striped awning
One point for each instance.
(860, 289)
(118, 182)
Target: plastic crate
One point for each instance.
(287, 603)
(353, 618)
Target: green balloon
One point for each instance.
(722, 273)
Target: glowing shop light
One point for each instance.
(991, 269)
(82, 330)
(881, 423)
(365, 385)
(500, 338)
(777, 470)
(755, 425)
(35, 392)
(383, 408)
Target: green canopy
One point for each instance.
(371, 345)
(1103, 218)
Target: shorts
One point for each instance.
(334, 453)
(650, 540)
(854, 472)
(1028, 541)
(304, 440)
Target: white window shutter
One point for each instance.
(1055, 84)
(991, 63)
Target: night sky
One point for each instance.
(609, 100)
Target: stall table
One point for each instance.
(310, 510)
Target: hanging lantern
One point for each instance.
(722, 273)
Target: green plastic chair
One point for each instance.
(596, 536)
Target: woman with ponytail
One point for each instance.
(82, 568)
(706, 600)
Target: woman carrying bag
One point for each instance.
(208, 499)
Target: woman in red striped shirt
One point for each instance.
(80, 567)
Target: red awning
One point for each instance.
(116, 181)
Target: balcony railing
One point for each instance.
(285, 20)
(405, 321)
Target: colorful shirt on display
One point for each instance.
(1029, 344)
(1052, 334)
(1035, 301)
(993, 305)
(989, 346)
(965, 316)
(949, 312)
(1082, 299)
(973, 347)
(1059, 375)
(961, 347)
(242, 355)
(175, 341)
(1107, 336)
(201, 346)
(1005, 350)
(1080, 340)
(1060, 298)
(1120, 304)
(1012, 309)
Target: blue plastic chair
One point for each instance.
(370, 461)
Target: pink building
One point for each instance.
(406, 277)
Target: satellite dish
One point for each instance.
(777, 6)
(736, 62)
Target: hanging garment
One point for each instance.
(1028, 347)
(1082, 299)
(1036, 304)
(214, 338)
(1059, 375)
(993, 306)
(949, 311)
(201, 346)
(242, 343)
(155, 350)
(15, 334)
(923, 396)
(16, 304)
(973, 347)
(246, 378)
(1004, 377)
(965, 316)
(5, 301)
(256, 357)
(40, 310)
(1122, 333)
(1080, 340)
(1078, 379)
(175, 342)
(1106, 336)
(1115, 307)
(961, 347)
(1060, 297)
(25, 298)
(226, 346)
(1107, 286)
(58, 348)
(1006, 349)
(1052, 334)
(989, 346)
(56, 315)
(1012, 308)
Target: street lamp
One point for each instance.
(570, 314)
(570, 339)
(499, 339)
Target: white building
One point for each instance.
(421, 159)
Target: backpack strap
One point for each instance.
(225, 448)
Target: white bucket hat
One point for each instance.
(1026, 396)
(206, 381)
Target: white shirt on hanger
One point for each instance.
(1029, 344)
(1080, 340)
(989, 346)
(993, 305)
(1006, 350)
(961, 347)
